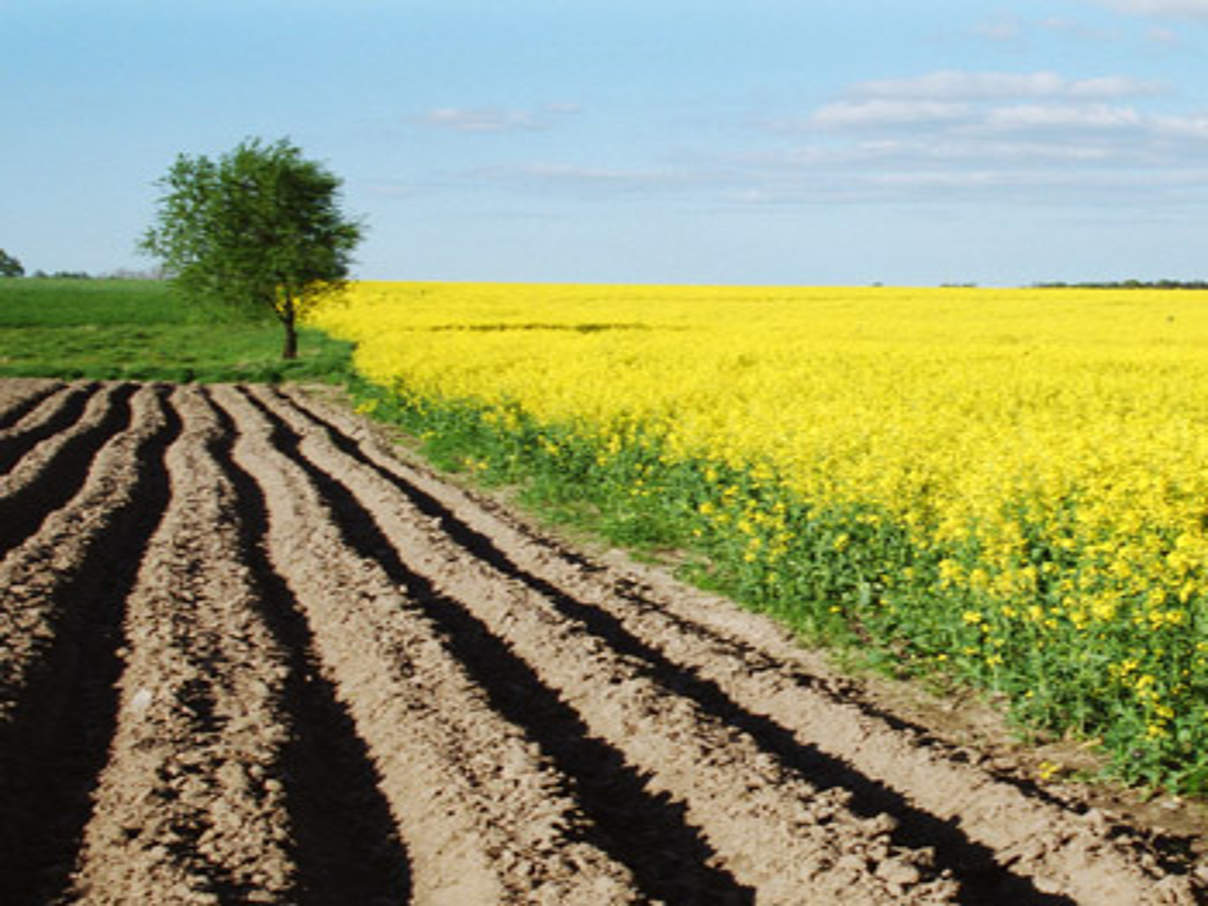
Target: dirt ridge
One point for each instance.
(28, 424)
(250, 654)
(680, 744)
(980, 874)
(69, 550)
(54, 742)
(475, 849)
(342, 828)
(51, 473)
(949, 790)
(20, 396)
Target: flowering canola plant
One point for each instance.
(1008, 485)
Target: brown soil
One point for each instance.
(250, 655)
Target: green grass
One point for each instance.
(143, 330)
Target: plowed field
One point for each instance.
(248, 656)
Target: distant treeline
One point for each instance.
(120, 274)
(62, 275)
(1128, 284)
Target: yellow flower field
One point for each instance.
(1013, 483)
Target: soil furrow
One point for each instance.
(893, 765)
(55, 413)
(982, 879)
(1037, 836)
(248, 655)
(38, 575)
(1004, 839)
(52, 474)
(187, 808)
(484, 817)
(345, 844)
(692, 755)
(42, 398)
(54, 745)
(20, 396)
(637, 825)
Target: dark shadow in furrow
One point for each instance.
(1174, 853)
(24, 406)
(645, 831)
(345, 843)
(982, 880)
(57, 742)
(755, 661)
(23, 511)
(70, 409)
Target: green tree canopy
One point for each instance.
(10, 266)
(260, 229)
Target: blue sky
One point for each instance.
(655, 141)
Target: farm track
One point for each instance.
(247, 655)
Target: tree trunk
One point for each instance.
(291, 341)
(291, 332)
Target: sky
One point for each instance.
(781, 142)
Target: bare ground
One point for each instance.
(249, 655)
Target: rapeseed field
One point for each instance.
(1006, 486)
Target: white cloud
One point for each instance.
(494, 119)
(959, 134)
(962, 104)
(1194, 127)
(959, 84)
(1113, 87)
(1194, 8)
(960, 150)
(942, 178)
(955, 84)
(886, 112)
(1062, 116)
(1074, 182)
(481, 120)
(1028, 185)
(594, 175)
(953, 135)
(596, 179)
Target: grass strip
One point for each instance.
(111, 329)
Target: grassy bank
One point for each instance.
(141, 330)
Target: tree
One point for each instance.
(259, 229)
(10, 266)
